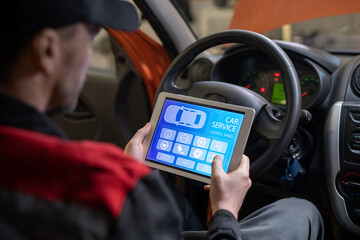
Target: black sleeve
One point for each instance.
(150, 212)
(223, 226)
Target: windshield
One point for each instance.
(331, 31)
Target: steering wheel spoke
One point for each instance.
(267, 125)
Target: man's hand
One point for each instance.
(228, 191)
(135, 146)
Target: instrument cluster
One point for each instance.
(259, 74)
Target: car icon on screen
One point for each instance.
(184, 116)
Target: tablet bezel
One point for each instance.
(240, 144)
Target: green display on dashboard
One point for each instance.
(278, 95)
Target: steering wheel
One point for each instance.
(276, 131)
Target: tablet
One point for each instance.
(186, 133)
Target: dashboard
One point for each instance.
(330, 91)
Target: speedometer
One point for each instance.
(255, 80)
(309, 89)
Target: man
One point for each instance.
(53, 188)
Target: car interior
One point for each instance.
(305, 139)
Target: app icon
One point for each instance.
(201, 142)
(165, 157)
(197, 153)
(204, 168)
(164, 145)
(184, 116)
(185, 163)
(168, 134)
(211, 156)
(184, 138)
(181, 149)
(218, 146)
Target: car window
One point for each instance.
(102, 54)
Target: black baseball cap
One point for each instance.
(27, 16)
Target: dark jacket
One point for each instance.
(53, 188)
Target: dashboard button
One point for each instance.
(355, 116)
(355, 216)
(350, 185)
(354, 142)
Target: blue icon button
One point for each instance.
(164, 145)
(201, 142)
(204, 168)
(165, 157)
(181, 149)
(197, 153)
(168, 134)
(184, 138)
(211, 155)
(218, 146)
(185, 163)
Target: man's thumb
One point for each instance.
(142, 132)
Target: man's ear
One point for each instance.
(46, 50)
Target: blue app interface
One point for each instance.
(188, 136)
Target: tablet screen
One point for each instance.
(188, 136)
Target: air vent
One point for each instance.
(355, 81)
